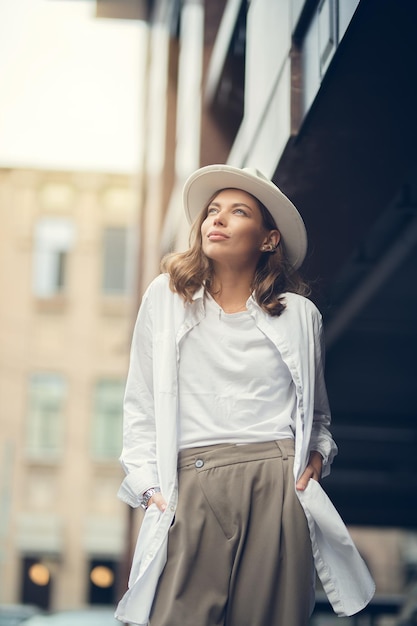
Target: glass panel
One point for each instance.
(107, 423)
(327, 32)
(54, 237)
(114, 261)
(45, 415)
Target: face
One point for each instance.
(233, 231)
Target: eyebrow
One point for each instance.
(234, 205)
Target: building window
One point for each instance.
(327, 32)
(107, 419)
(46, 397)
(114, 261)
(54, 238)
(36, 583)
(102, 583)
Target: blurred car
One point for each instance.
(14, 614)
(103, 616)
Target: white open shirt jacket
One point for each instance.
(149, 455)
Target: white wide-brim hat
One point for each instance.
(205, 182)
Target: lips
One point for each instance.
(216, 235)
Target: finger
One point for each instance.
(301, 484)
(304, 478)
(158, 499)
(316, 476)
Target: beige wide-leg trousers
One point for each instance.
(239, 551)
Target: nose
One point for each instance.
(219, 218)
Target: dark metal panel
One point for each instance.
(359, 139)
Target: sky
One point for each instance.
(69, 87)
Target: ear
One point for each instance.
(271, 240)
(274, 237)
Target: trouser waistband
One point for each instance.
(228, 454)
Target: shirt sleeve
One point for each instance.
(321, 438)
(138, 457)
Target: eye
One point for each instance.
(211, 210)
(240, 211)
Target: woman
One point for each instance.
(225, 413)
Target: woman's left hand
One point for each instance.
(313, 470)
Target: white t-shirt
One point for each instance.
(233, 384)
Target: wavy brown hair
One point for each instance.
(273, 275)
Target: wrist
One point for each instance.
(316, 461)
(147, 495)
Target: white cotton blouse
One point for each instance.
(234, 386)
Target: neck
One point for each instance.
(231, 290)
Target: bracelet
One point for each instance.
(147, 496)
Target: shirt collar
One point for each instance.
(199, 294)
(251, 301)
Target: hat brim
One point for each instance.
(205, 182)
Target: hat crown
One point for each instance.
(253, 171)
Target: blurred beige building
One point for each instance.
(65, 319)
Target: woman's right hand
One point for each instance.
(158, 499)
